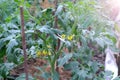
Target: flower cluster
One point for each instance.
(43, 53)
(70, 37)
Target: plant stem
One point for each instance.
(52, 62)
(23, 42)
(56, 22)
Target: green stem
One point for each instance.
(51, 64)
(57, 55)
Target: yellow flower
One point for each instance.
(70, 37)
(63, 36)
(45, 52)
(39, 53)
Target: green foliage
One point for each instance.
(6, 9)
(84, 30)
(4, 69)
(63, 60)
(22, 77)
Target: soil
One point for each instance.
(33, 63)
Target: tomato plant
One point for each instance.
(67, 36)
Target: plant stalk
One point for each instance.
(23, 42)
(56, 22)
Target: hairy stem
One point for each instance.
(23, 42)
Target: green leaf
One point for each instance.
(87, 22)
(83, 40)
(12, 43)
(72, 65)
(3, 71)
(81, 78)
(62, 23)
(12, 58)
(12, 26)
(56, 31)
(100, 42)
(1, 43)
(56, 76)
(68, 45)
(46, 29)
(74, 77)
(45, 75)
(2, 53)
(8, 38)
(82, 73)
(14, 31)
(5, 68)
(1, 78)
(29, 31)
(95, 66)
(64, 59)
(23, 77)
(59, 10)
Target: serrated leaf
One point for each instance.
(29, 31)
(44, 29)
(59, 9)
(55, 76)
(81, 78)
(48, 30)
(9, 37)
(45, 75)
(84, 41)
(4, 69)
(61, 21)
(65, 59)
(14, 31)
(68, 44)
(23, 77)
(95, 66)
(12, 26)
(110, 36)
(82, 73)
(2, 52)
(71, 65)
(1, 43)
(12, 58)
(74, 77)
(10, 45)
(87, 22)
(100, 42)
(57, 31)
(108, 41)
